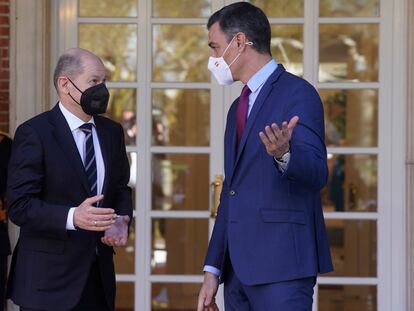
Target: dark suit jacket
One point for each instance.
(5, 149)
(271, 223)
(46, 178)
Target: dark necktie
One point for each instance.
(241, 112)
(89, 162)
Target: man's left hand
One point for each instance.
(117, 235)
(276, 140)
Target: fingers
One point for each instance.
(293, 122)
(200, 305)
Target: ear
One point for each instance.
(62, 84)
(241, 41)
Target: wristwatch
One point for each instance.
(284, 158)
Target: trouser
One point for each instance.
(294, 295)
(93, 295)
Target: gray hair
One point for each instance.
(69, 64)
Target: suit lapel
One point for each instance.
(64, 139)
(260, 100)
(230, 145)
(105, 149)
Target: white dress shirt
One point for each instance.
(74, 123)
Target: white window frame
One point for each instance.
(391, 150)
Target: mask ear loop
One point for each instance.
(246, 43)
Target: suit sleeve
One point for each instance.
(123, 200)
(307, 164)
(25, 186)
(217, 246)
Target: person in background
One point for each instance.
(5, 149)
(269, 240)
(67, 191)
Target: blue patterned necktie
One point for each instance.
(89, 161)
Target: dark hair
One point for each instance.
(68, 65)
(247, 18)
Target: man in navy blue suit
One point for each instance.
(68, 193)
(269, 240)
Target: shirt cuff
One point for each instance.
(69, 220)
(284, 163)
(212, 269)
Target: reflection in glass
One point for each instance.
(348, 52)
(125, 256)
(180, 181)
(287, 47)
(181, 117)
(174, 296)
(352, 183)
(351, 117)
(180, 53)
(108, 8)
(124, 299)
(280, 8)
(349, 8)
(122, 108)
(115, 44)
(178, 245)
(347, 298)
(181, 8)
(353, 245)
(132, 158)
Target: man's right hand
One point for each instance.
(206, 297)
(92, 218)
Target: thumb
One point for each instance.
(208, 300)
(94, 199)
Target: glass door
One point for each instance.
(173, 114)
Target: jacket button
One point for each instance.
(232, 192)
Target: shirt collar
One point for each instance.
(260, 77)
(73, 121)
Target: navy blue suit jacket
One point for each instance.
(271, 223)
(46, 178)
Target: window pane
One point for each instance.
(287, 47)
(348, 53)
(347, 298)
(174, 296)
(108, 8)
(125, 256)
(124, 299)
(178, 245)
(180, 53)
(280, 8)
(122, 108)
(115, 44)
(353, 246)
(181, 8)
(352, 184)
(349, 8)
(351, 117)
(180, 181)
(181, 117)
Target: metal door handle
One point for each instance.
(217, 185)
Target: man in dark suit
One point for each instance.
(269, 240)
(68, 193)
(5, 149)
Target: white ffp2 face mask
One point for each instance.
(220, 69)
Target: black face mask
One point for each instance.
(94, 100)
